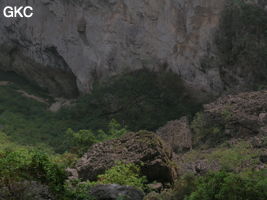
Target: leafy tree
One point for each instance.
(23, 165)
(123, 174)
(79, 142)
(77, 190)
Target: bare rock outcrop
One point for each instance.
(27, 190)
(144, 148)
(177, 133)
(198, 166)
(69, 43)
(114, 192)
(242, 114)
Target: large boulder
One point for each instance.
(27, 190)
(177, 133)
(144, 148)
(244, 114)
(114, 192)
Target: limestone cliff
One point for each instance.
(85, 40)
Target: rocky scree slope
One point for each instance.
(68, 45)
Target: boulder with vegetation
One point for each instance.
(143, 148)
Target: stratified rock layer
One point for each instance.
(86, 40)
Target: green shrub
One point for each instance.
(239, 157)
(27, 122)
(28, 165)
(220, 185)
(77, 190)
(79, 142)
(6, 144)
(206, 133)
(227, 114)
(123, 174)
(229, 186)
(183, 187)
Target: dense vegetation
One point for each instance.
(219, 186)
(139, 100)
(21, 167)
(242, 44)
(31, 135)
(223, 185)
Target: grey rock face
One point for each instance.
(27, 190)
(114, 192)
(177, 133)
(242, 114)
(68, 41)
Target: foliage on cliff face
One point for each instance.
(242, 44)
